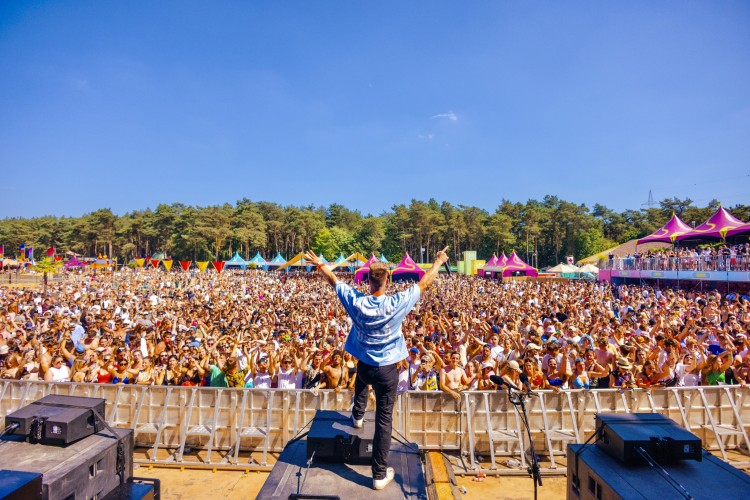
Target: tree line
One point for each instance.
(542, 232)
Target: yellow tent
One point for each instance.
(355, 257)
(296, 261)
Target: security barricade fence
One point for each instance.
(481, 427)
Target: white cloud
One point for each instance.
(450, 115)
(426, 137)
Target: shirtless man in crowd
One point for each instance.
(453, 378)
(336, 376)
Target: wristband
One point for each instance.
(320, 265)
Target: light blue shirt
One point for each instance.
(376, 337)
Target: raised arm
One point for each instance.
(440, 259)
(327, 273)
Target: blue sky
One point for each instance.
(129, 104)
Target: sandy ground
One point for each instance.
(190, 484)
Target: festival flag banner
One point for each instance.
(155, 263)
(2, 250)
(30, 251)
(50, 251)
(218, 265)
(58, 258)
(168, 264)
(185, 264)
(140, 262)
(202, 265)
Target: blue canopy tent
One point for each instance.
(277, 261)
(236, 261)
(258, 261)
(383, 259)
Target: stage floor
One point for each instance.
(291, 475)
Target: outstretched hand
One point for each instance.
(312, 258)
(442, 256)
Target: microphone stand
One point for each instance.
(518, 399)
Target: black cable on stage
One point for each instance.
(661, 470)
(9, 428)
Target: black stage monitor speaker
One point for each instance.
(621, 436)
(19, 485)
(332, 437)
(57, 419)
(89, 468)
(595, 475)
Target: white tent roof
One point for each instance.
(563, 268)
(590, 268)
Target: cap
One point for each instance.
(549, 329)
(3, 349)
(532, 345)
(413, 349)
(513, 365)
(487, 364)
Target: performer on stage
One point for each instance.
(377, 342)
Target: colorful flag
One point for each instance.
(185, 264)
(2, 250)
(50, 251)
(30, 252)
(167, 263)
(218, 265)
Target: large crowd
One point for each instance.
(254, 329)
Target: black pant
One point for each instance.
(384, 381)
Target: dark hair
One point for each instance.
(378, 274)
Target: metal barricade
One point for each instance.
(168, 420)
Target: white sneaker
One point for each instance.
(358, 423)
(379, 484)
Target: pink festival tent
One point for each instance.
(744, 228)
(716, 227)
(516, 265)
(668, 232)
(495, 265)
(363, 272)
(490, 263)
(73, 263)
(407, 270)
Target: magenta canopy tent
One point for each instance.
(73, 262)
(516, 265)
(407, 270)
(490, 263)
(363, 272)
(744, 228)
(716, 227)
(668, 232)
(497, 266)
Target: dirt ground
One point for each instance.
(189, 484)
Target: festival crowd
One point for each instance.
(254, 329)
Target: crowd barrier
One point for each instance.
(699, 263)
(167, 420)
